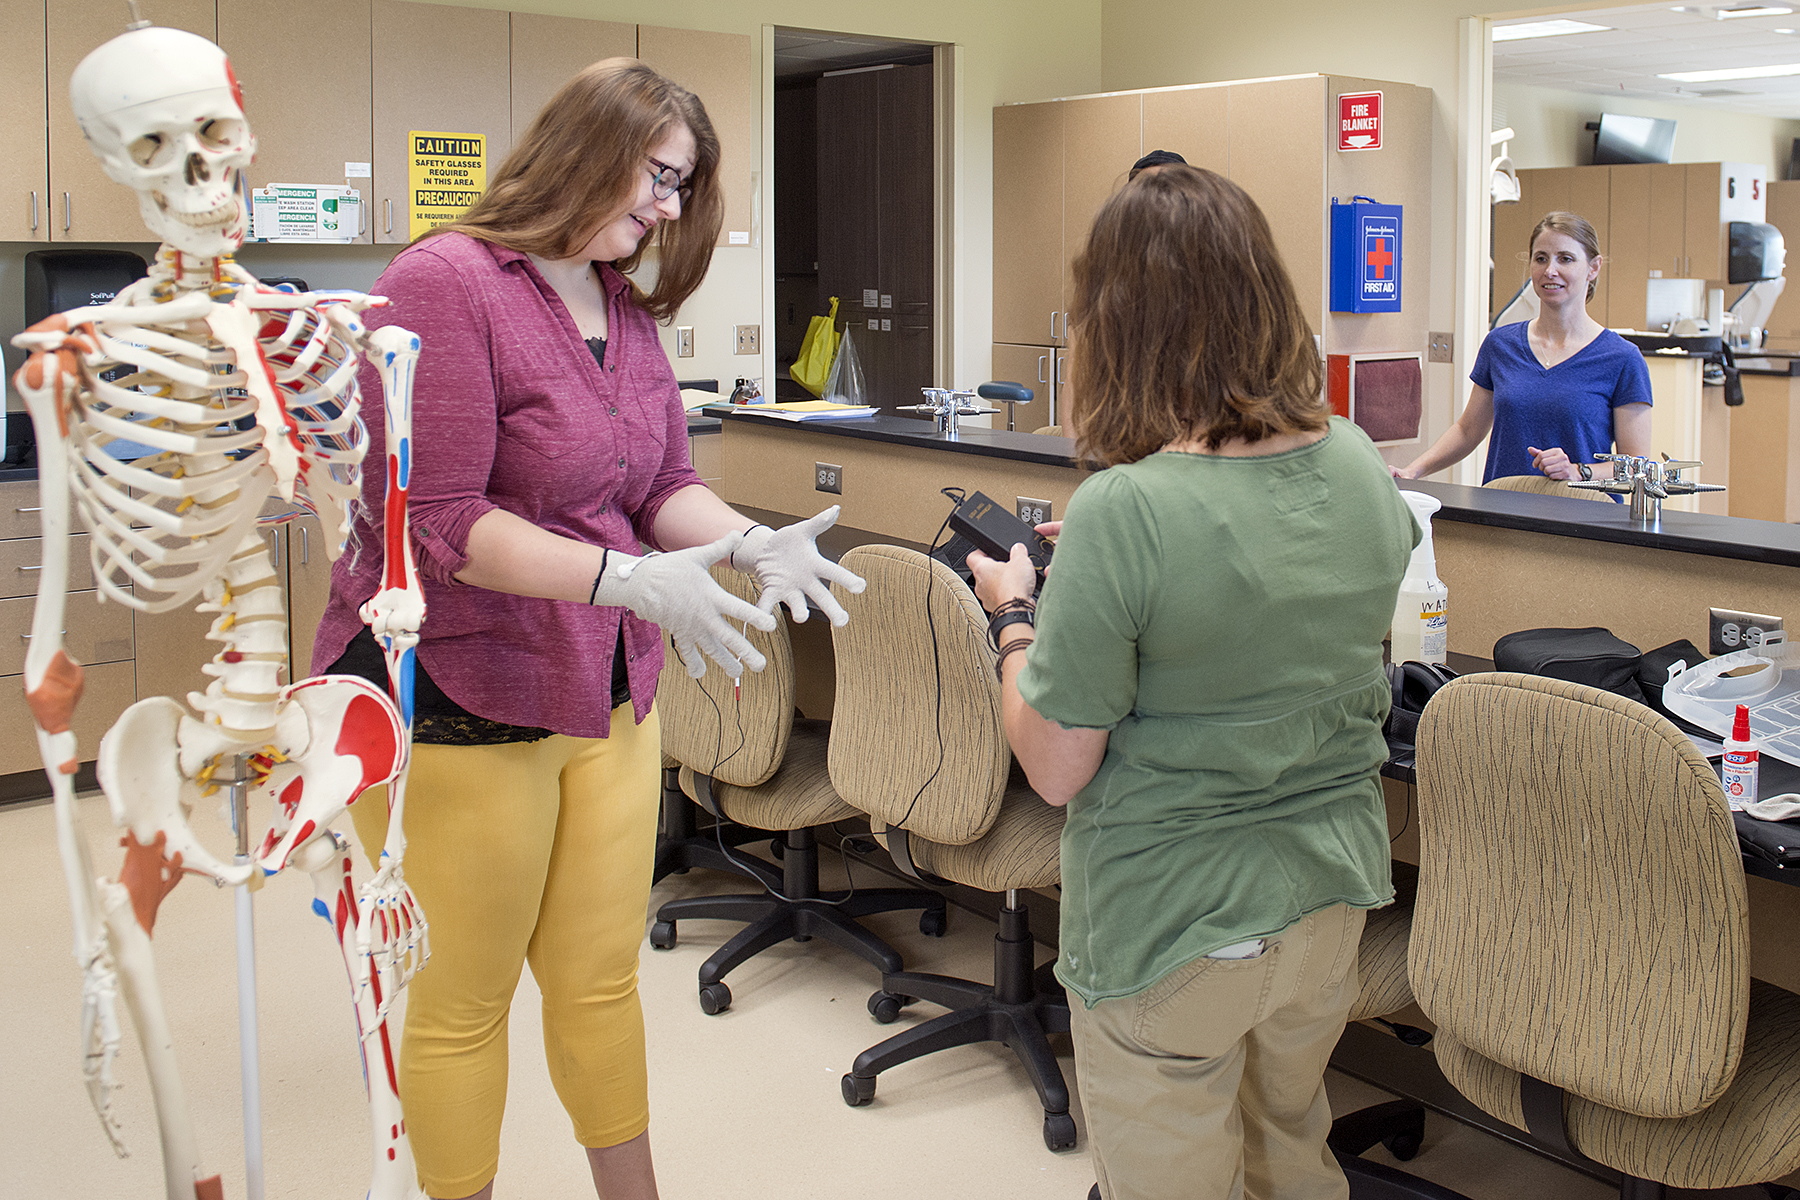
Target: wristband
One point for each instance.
(1009, 648)
(1585, 471)
(1001, 620)
(595, 590)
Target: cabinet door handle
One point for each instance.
(1042, 360)
(28, 510)
(67, 218)
(274, 536)
(1053, 326)
(36, 568)
(387, 217)
(1060, 363)
(26, 637)
(305, 549)
(34, 219)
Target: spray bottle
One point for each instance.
(1421, 630)
(1738, 772)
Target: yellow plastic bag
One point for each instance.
(818, 350)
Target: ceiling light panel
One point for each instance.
(1751, 10)
(1767, 71)
(1540, 29)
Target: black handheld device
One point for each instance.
(995, 530)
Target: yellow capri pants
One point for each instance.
(532, 852)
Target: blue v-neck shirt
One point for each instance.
(1569, 405)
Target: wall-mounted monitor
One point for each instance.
(1622, 139)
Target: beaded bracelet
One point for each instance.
(1009, 648)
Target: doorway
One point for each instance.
(855, 206)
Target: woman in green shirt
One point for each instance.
(1204, 689)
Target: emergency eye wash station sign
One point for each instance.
(446, 173)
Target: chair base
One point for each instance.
(794, 908)
(1375, 1181)
(680, 846)
(1398, 1124)
(1021, 1009)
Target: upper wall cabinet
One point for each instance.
(440, 69)
(1028, 222)
(721, 69)
(86, 206)
(548, 51)
(277, 48)
(24, 149)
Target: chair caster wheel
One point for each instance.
(715, 998)
(662, 935)
(933, 922)
(885, 1008)
(1403, 1146)
(1412, 1035)
(858, 1091)
(1059, 1130)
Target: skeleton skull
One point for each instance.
(163, 112)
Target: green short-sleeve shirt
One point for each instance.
(1223, 617)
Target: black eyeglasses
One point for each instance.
(666, 181)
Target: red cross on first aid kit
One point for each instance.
(1365, 256)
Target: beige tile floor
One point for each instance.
(746, 1104)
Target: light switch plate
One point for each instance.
(749, 339)
(1733, 630)
(1442, 347)
(684, 341)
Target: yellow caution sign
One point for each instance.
(446, 173)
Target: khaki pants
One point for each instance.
(1209, 1084)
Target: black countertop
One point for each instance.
(1769, 364)
(905, 431)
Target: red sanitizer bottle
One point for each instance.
(1739, 770)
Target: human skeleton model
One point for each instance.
(243, 392)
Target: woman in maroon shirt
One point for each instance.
(549, 440)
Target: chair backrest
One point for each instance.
(1544, 485)
(916, 735)
(1581, 915)
(737, 735)
(1049, 430)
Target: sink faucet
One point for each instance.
(1648, 481)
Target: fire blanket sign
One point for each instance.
(1365, 256)
(446, 173)
(1359, 121)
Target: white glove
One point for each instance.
(790, 570)
(676, 591)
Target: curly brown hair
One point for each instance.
(1185, 323)
(577, 166)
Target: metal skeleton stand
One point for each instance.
(249, 1049)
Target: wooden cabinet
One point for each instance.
(1783, 327)
(309, 588)
(1035, 367)
(721, 69)
(24, 144)
(1028, 215)
(281, 52)
(437, 68)
(1582, 190)
(86, 206)
(549, 51)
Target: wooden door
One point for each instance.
(1028, 220)
(86, 206)
(904, 204)
(1668, 219)
(849, 167)
(1704, 235)
(279, 48)
(1102, 137)
(721, 69)
(1628, 216)
(309, 587)
(548, 51)
(1031, 366)
(797, 181)
(1193, 123)
(440, 69)
(24, 143)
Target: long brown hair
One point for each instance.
(578, 164)
(1186, 326)
(1570, 226)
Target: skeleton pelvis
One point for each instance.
(336, 736)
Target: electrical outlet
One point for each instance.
(828, 477)
(1732, 630)
(684, 341)
(1441, 348)
(1033, 512)
(749, 339)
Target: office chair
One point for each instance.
(745, 758)
(917, 744)
(1546, 486)
(1581, 939)
(682, 845)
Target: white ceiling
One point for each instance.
(1646, 40)
(804, 52)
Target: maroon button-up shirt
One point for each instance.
(511, 411)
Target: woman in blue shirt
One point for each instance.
(1558, 389)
